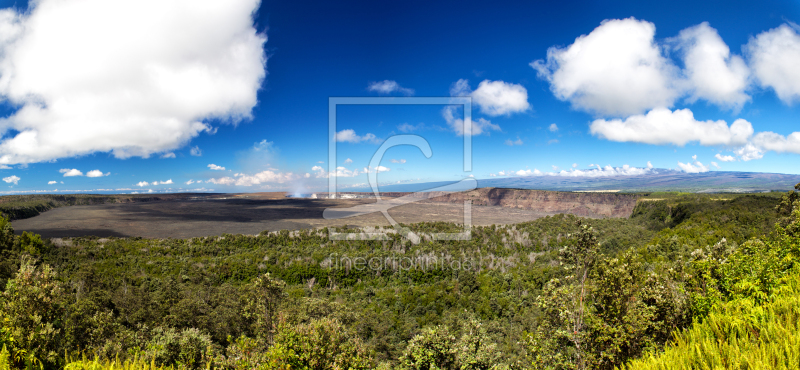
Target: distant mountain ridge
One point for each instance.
(656, 180)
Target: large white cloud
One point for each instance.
(663, 126)
(778, 143)
(774, 56)
(712, 72)
(132, 78)
(617, 69)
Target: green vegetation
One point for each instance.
(686, 281)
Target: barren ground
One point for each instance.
(242, 214)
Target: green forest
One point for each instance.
(688, 281)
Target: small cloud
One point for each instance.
(52, 182)
(649, 165)
(142, 183)
(97, 173)
(398, 161)
(11, 179)
(348, 161)
(725, 158)
(555, 168)
(574, 165)
(388, 87)
(510, 142)
(553, 127)
(695, 167)
(164, 182)
(168, 155)
(5, 167)
(70, 172)
(349, 136)
(195, 151)
(405, 127)
(554, 141)
(694, 157)
(501, 173)
(715, 164)
(189, 182)
(216, 168)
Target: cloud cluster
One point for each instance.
(493, 98)
(619, 70)
(75, 172)
(388, 87)
(99, 76)
(263, 177)
(145, 183)
(606, 171)
(345, 172)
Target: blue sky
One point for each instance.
(138, 96)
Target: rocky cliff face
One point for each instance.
(580, 204)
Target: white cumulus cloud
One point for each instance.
(52, 182)
(216, 168)
(774, 57)
(553, 127)
(712, 72)
(695, 167)
(70, 172)
(195, 151)
(96, 173)
(725, 158)
(11, 179)
(617, 69)
(142, 183)
(388, 87)
(129, 77)
(663, 126)
(497, 98)
(348, 161)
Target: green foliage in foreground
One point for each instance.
(740, 334)
(556, 293)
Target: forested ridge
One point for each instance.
(560, 292)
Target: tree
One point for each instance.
(263, 296)
(31, 310)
